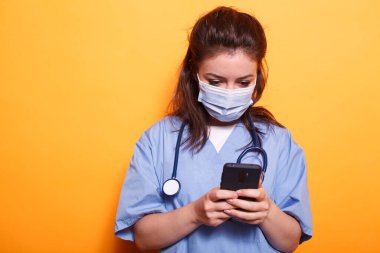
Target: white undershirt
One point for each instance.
(219, 135)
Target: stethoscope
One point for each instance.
(172, 186)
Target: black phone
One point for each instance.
(237, 176)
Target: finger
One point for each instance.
(217, 195)
(250, 217)
(262, 194)
(217, 215)
(222, 215)
(250, 193)
(258, 194)
(252, 206)
(222, 205)
(217, 222)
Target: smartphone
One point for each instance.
(237, 176)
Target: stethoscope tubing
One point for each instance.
(256, 148)
(177, 147)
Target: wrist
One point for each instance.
(270, 213)
(271, 209)
(193, 214)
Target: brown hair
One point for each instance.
(224, 29)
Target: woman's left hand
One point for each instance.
(250, 211)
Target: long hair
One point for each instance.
(222, 30)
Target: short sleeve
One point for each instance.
(292, 194)
(140, 194)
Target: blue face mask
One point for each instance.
(225, 104)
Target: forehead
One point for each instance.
(229, 64)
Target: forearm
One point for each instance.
(281, 230)
(155, 231)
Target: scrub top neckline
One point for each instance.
(218, 135)
(230, 144)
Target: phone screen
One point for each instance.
(237, 176)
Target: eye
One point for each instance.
(245, 83)
(214, 82)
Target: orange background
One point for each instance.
(81, 80)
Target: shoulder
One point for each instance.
(158, 137)
(272, 131)
(278, 136)
(166, 126)
(168, 123)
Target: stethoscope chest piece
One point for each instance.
(171, 187)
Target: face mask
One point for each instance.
(225, 104)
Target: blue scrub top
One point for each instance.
(152, 164)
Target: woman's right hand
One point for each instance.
(209, 209)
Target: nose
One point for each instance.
(231, 85)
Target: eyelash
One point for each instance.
(245, 83)
(215, 82)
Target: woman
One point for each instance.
(222, 77)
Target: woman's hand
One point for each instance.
(250, 211)
(211, 208)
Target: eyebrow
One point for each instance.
(221, 77)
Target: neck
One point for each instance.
(215, 122)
